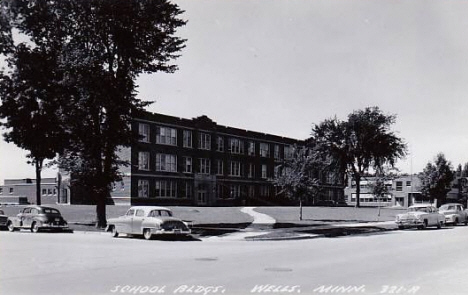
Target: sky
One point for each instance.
(279, 67)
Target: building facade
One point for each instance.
(23, 191)
(403, 191)
(196, 162)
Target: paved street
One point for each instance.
(417, 262)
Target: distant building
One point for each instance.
(197, 162)
(23, 191)
(403, 191)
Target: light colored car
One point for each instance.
(147, 221)
(420, 216)
(36, 218)
(454, 213)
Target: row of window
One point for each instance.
(10, 190)
(185, 190)
(168, 163)
(168, 136)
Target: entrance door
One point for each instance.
(202, 194)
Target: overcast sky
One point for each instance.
(281, 66)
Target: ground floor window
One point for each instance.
(165, 189)
(143, 188)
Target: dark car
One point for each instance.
(3, 219)
(37, 218)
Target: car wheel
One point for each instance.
(11, 227)
(147, 234)
(401, 227)
(115, 233)
(456, 221)
(34, 227)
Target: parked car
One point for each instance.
(37, 218)
(3, 219)
(420, 216)
(147, 221)
(454, 213)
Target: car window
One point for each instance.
(26, 210)
(34, 211)
(165, 213)
(130, 212)
(50, 211)
(459, 208)
(140, 212)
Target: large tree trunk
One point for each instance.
(101, 219)
(38, 165)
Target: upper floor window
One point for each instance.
(166, 135)
(166, 162)
(220, 144)
(11, 190)
(264, 150)
(1, 190)
(205, 165)
(165, 189)
(187, 138)
(236, 146)
(219, 167)
(399, 186)
(235, 168)
(251, 170)
(204, 141)
(187, 165)
(277, 152)
(143, 161)
(251, 148)
(288, 152)
(408, 183)
(264, 171)
(144, 132)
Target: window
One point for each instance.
(264, 171)
(11, 190)
(187, 190)
(44, 191)
(166, 162)
(49, 191)
(219, 167)
(235, 191)
(288, 152)
(143, 188)
(264, 191)
(144, 132)
(204, 166)
(251, 148)
(165, 189)
(399, 186)
(251, 170)
(235, 168)
(187, 165)
(236, 146)
(187, 139)
(140, 213)
(220, 144)
(264, 150)
(204, 141)
(166, 135)
(143, 160)
(1, 190)
(408, 183)
(130, 212)
(277, 152)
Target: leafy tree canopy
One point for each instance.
(436, 179)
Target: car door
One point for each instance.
(25, 217)
(137, 221)
(126, 224)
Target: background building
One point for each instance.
(23, 191)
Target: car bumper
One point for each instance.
(53, 226)
(157, 231)
(409, 223)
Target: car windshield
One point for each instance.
(160, 213)
(50, 211)
(447, 207)
(418, 209)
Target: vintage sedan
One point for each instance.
(3, 219)
(420, 216)
(454, 213)
(147, 221)
(37, 218)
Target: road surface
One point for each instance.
(399, 262)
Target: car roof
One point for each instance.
(421, 205)
(149, 208)
(39, 207)
(452, 204)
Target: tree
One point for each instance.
(362, 142)
(29, 106)
(379, 188)
(101, 46)
(295, 175)
(436, 179)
